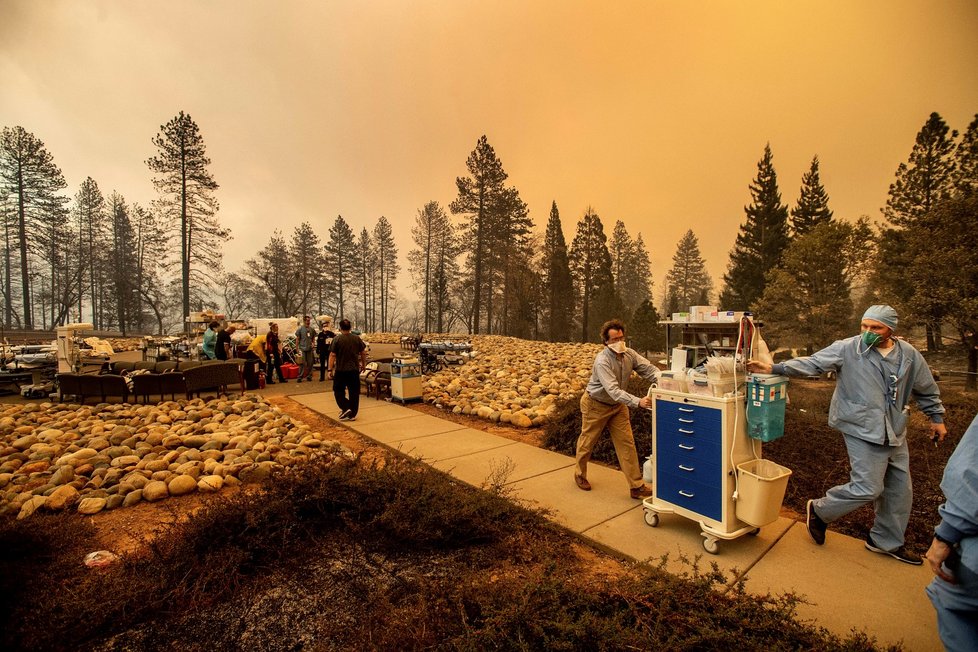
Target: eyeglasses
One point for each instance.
(894, 383)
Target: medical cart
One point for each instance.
(697, 443)
(406, 380)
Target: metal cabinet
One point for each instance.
(697, 443)
(406, 380)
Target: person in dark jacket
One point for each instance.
(274, 343)
(347, 359)
(323, 339)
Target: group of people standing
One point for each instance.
(217, 342)
(342, 357)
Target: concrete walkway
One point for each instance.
(848, 588)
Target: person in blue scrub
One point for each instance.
(878, 375)
(953, 555)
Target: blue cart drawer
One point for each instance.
(690, 448)
(675, 413)
(689, 494)
(682, 466)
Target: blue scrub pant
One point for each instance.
(957, 604)
(880, 475)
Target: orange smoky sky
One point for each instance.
(653, 113)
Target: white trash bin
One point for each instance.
(762, 484)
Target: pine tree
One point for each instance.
(478, 197)
(33, 182)
(90, 218)
(342, 262)
(813, 203)
(590, 265)
(922, 183)
(435, 242)
(187, 201)
(644, 332)
(366, 254)
(761, 241)
(807, 302)
(307, 258)
(387, 268)
(273, 269)
(966, 161)
(688, 283)
(557, 287)
(926, 178)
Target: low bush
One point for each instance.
(340, 554)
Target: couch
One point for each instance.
(84, 386)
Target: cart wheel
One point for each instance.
(652, 519)
(710, 545)
(755, 532)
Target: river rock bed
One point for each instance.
(88, 458)
(514, 381)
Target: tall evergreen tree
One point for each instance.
(366, 252)
(30, 177)
(187, 201)
(761, 241)
(813, 203)
(510, 256)
(687, 282)
(557, 284)
(434, 236)
(478, 197)
(966, 161)
(639, 285)
(926, 178)
(807, 302)
(307, 257)
(923, 182)
(644, 332)
(90, 218)
(387, 269)
(150, 246)
(342, 262)
(590, 265)
(273, 269)
(122, 265)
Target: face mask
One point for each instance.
(869, 339)
(617, 347)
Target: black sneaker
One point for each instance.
(344, 415)
(900, 554)
(816, 526)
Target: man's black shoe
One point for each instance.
(900, 554)
(816, 526)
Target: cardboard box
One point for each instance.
(680, 316)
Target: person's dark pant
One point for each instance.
(323, 359)
(274, 363)
(347, 383)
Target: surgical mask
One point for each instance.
(617, 347)
(869, 339)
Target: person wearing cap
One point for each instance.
(878, 375)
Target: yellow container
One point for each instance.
(761, 488)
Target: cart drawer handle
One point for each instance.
(687, 432)
(683, 493)
(686, 421)
(682, 409)
(686, 448)
(687, 468)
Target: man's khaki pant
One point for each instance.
(594, 417)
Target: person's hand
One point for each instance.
(938, 431)
(936, 554)
(759, 367)
(645, 402)
(329, 374)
